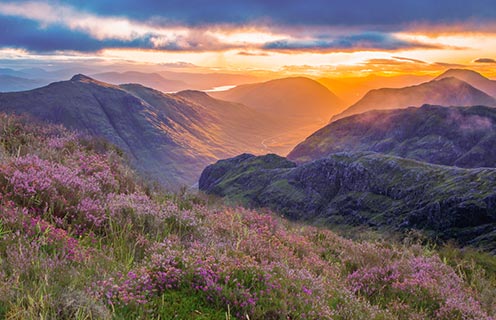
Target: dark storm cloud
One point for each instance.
(364, 41)
(27, 34)
(386, 13)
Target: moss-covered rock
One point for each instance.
(364, 188)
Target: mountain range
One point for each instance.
(152, 80)
(167, 137)
(392, 162)
(9, 83)
(447, 91)
(164, 80)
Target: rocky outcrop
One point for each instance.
(364, 188)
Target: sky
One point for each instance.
(314, 37)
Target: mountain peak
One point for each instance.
(462, 74)
(473, 78)
(82, 78)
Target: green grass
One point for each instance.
(180, 304)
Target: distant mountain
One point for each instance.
(295, 98)
(473, 78)
(206, 81)
(352, 89)
(365, 188)
(152, 80)
(459, 136)
(447, 92)
(14, 73)
(299, 106)
(10, 83)
(166, 136)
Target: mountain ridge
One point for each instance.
(446, 91)
(460, 136)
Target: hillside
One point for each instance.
(445, 92)
(455, 136)
(167, 137)
(365, 188)
(81, 238)
(297, 106)
(294, 98)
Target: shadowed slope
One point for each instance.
(461, 136)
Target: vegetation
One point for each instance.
(386, 192)
(82, 238)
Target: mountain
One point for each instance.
(299, 106)
(298, 97)
(207, 81)
(473, 78)
(365, 188)
(455, 136)
(12, 72)
(168, 137)
(152, 80)
(351, 89)
(10, 83)
(447, 92)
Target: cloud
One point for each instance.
(409, 60)
(381, 13)
(178, 64)
(30, 36)
(362, 41)
(252, 54)
(247, 26)
(449, 65)
(484, 60)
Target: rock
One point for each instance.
(363, 188)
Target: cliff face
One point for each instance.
(365, 188)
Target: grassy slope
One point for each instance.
(81, 238)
